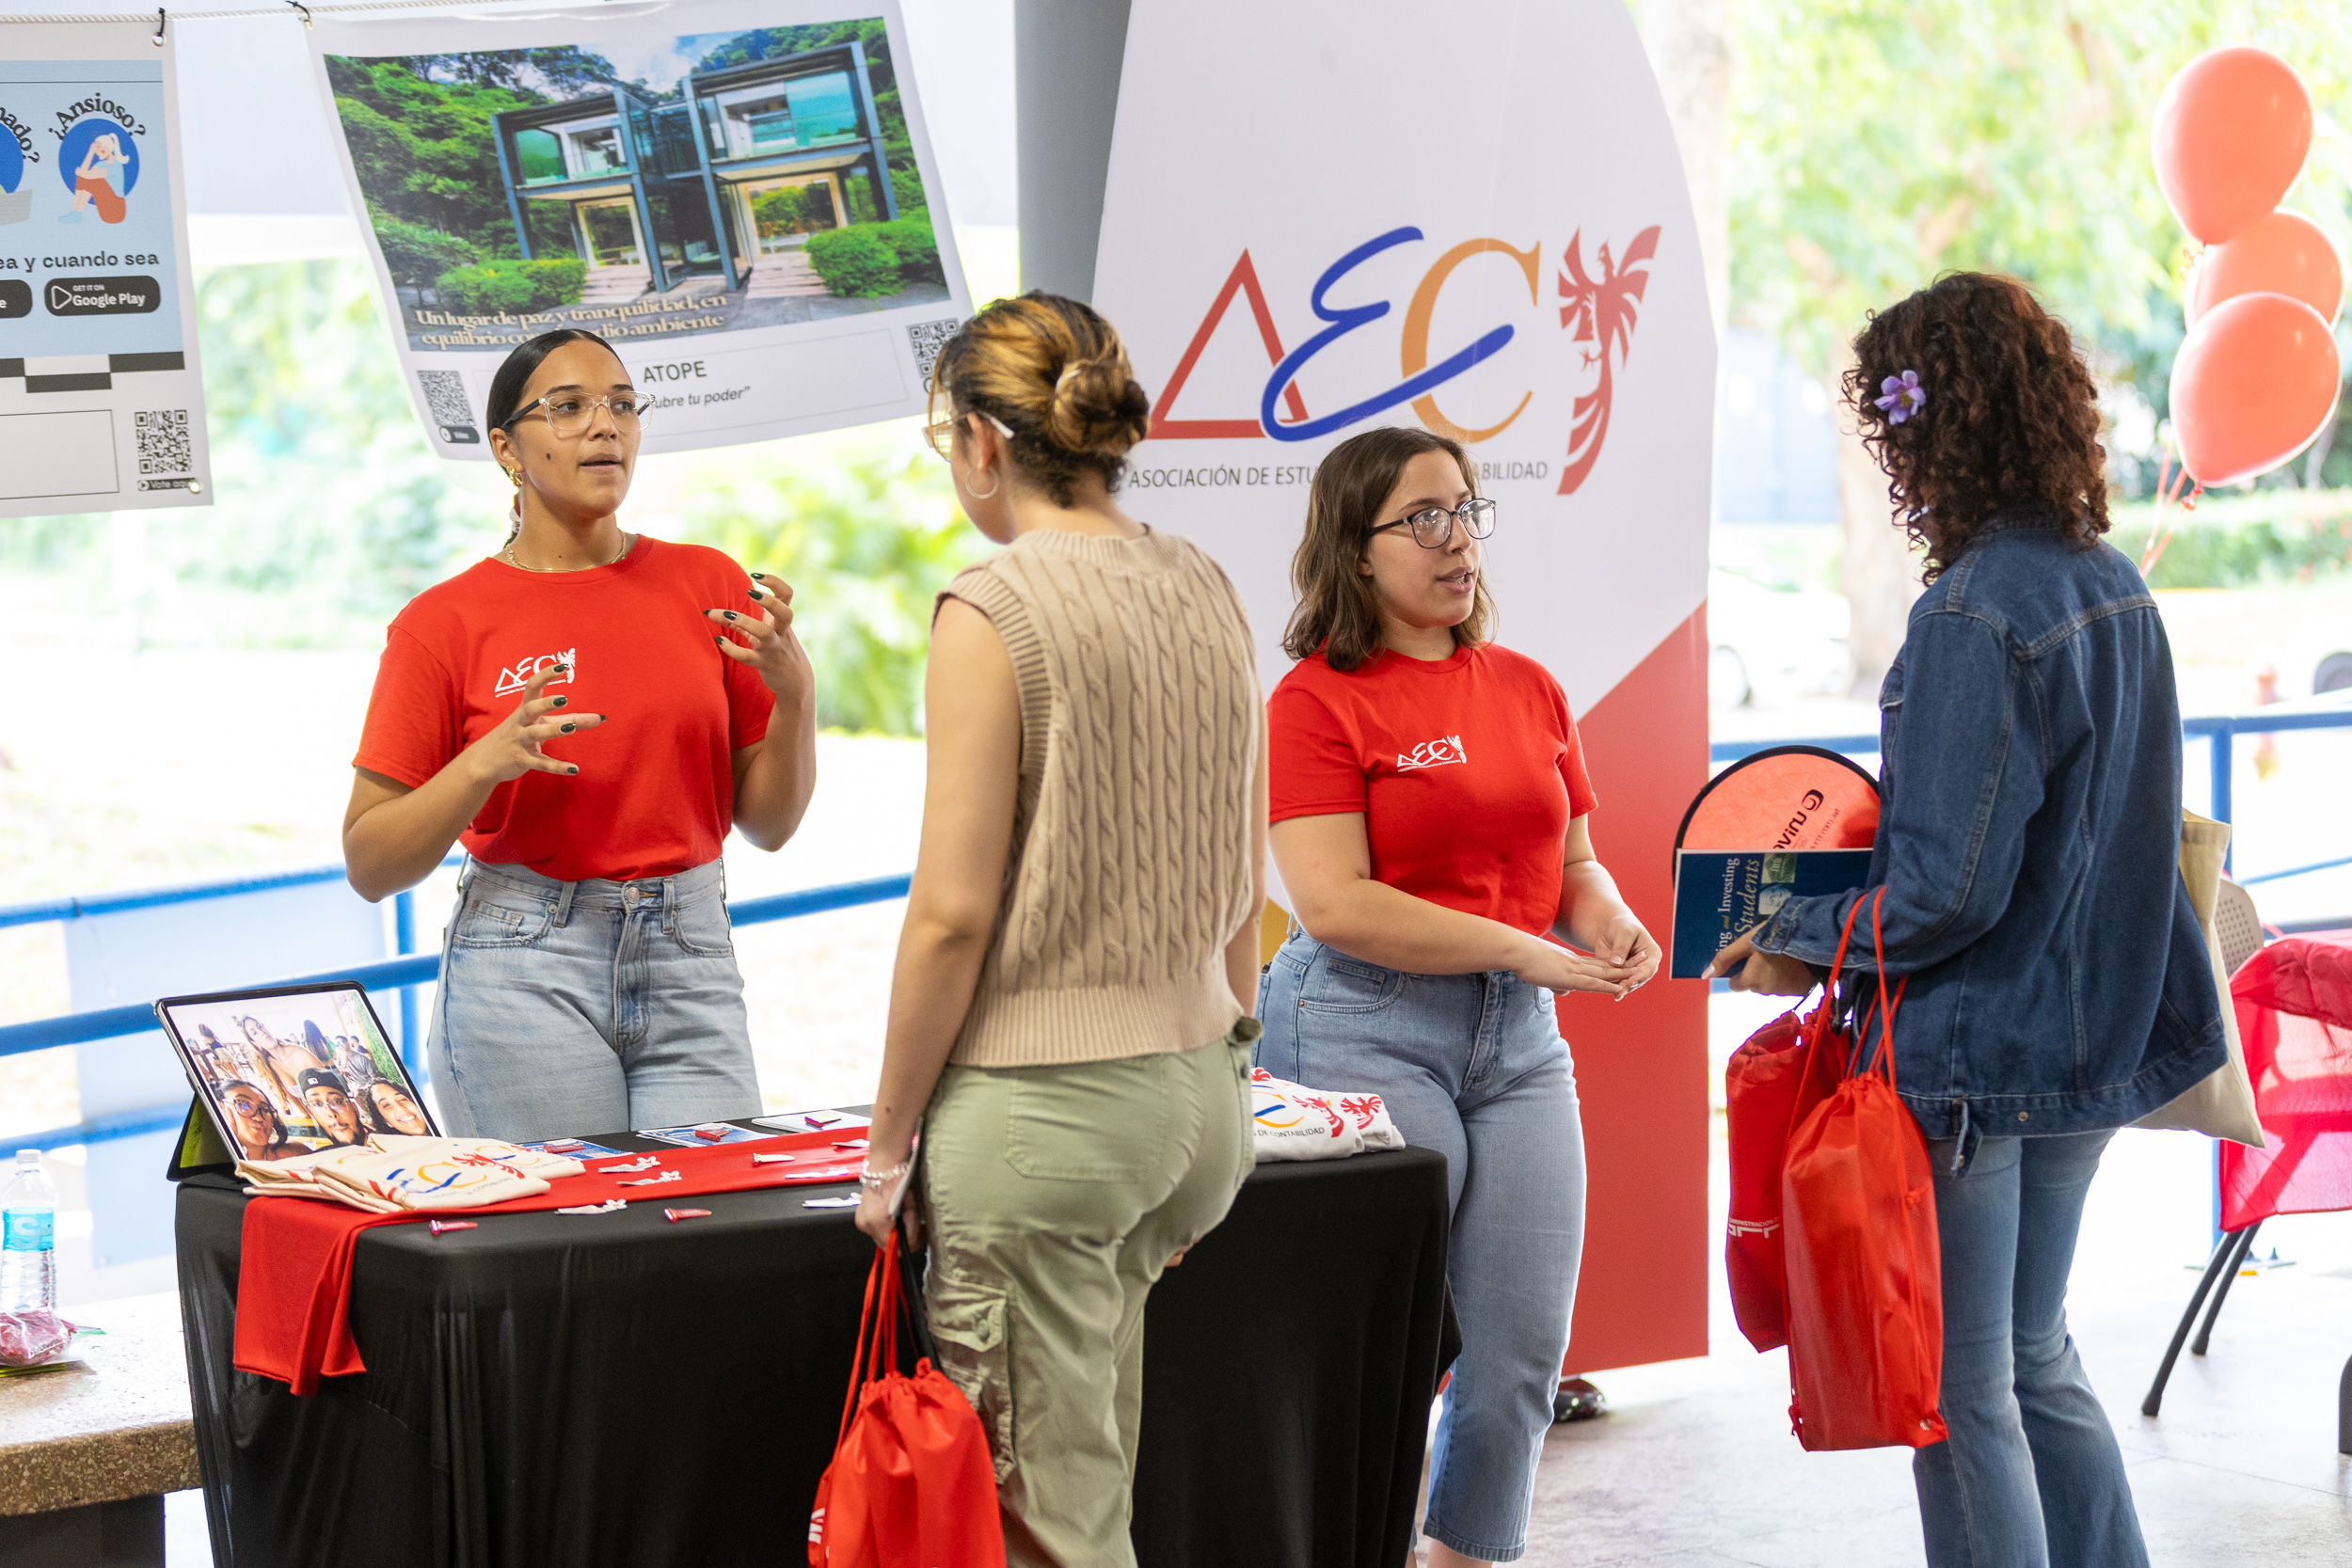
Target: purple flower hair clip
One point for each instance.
(1905, 397)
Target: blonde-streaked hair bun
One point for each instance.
(1053, 371)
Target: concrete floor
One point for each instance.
(1695, 1465)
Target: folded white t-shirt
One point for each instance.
(1291, 1122)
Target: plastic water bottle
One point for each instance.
(28, 1237)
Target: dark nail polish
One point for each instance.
(560, 702)
(730, 615)
(567, 729)
(573, 769)
(759, 577)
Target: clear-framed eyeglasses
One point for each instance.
(1432, 529)
(570, 414)
(941, 431)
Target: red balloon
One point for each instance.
(2231, 133)
(2284, 253)
(2254, 381)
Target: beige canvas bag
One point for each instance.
(2223, 1103)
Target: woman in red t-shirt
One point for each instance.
(1429, 809)
(588, 979)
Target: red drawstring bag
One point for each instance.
(1866, 1291)
(1770, 1084)
(911, 1485)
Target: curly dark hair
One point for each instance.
(2011, 415)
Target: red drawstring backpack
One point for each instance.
(911, 1485)
(1866, 1291)
(1770, 1084)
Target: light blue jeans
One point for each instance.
(2031, 1475)
(1473, 1067)
(593, 1006)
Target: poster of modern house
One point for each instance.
(764, 174)
(659, 192)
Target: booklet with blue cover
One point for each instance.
(1720, 892)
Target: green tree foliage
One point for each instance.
(916, 246)
(328, 501)
(906, 188)
(492, 288)
(549, 75)
(416, 254)
(866, 546)
(858, 261)
(424, 152)
(2242, 541)
(1874, 146)
(795, 208)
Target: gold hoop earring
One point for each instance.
(983, 495)
(514, 477)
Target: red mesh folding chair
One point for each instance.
(2294, 1001)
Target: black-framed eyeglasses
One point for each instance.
(570, 414)
(1432, 529)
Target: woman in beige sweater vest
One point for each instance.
(1066, 1021)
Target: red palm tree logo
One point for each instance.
(1603, 313)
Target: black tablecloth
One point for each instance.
(550, 1388)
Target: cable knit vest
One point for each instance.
(1130, 863)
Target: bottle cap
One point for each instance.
(28, 1156)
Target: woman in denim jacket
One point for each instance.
(2029, 843)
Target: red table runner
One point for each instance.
(294, 1285)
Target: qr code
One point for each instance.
(929, 337)
(445, 398)
(163, 441)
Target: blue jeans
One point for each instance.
(590, 1006)
(2031, 1475)
(1473, 1067)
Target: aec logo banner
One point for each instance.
(1323, 217)
(1373, 225)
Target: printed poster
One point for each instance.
(739, 195)
(102, 401)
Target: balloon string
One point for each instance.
(2172, 490)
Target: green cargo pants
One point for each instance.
(1056, 1196)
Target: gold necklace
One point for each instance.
(629, 543)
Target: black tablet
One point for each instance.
(292, 1070)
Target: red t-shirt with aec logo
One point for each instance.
(1467, 770)
(655, 794)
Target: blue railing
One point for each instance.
(410, 969)
(404, 973)
(2219, 729)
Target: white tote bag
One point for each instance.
(2223, 1103)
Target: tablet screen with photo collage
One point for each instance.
(292, 1070)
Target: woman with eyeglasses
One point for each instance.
(1069, 1017)
(1431, 811)
(588, 713)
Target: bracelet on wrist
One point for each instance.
(875, 1181)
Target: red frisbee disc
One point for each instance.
(1785, 797)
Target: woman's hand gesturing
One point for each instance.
(512, 748)
(769, 645)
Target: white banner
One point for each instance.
(739, 194)
(102, 403)
(1323, 217)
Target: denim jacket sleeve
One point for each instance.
(1967, 754)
